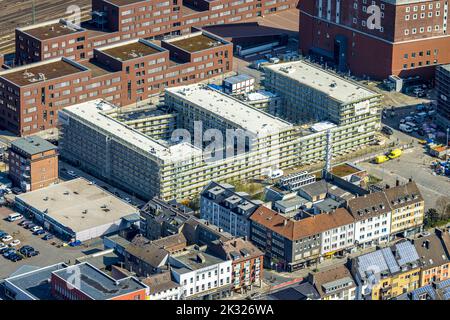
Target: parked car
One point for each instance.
(29, 226)
(405, 128)
(4, 249)
(8, 252)
(16, 191)
(28, 251)
(14, 243)
(35, 228)
(15, 257)
(387, 131)
(39, 232)
(2, 234)
(75, 243)
(72, 174)
(7, 238)
(3, 246)
(127, 200)
(24, 223)
(48, 236)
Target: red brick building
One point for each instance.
(122, 73)
(411, 39)
(121, 20)
(33, 163)
(85, 282)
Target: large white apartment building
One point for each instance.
(310, 94)
(132, 159)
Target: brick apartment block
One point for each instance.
(123, 73)
(121, 20)
(412, 40)
(33, 163)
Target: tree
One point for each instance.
(431, 218)
(443, 207)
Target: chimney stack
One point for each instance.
(397, 182)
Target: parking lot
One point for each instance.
(415, 164)
(49, 251)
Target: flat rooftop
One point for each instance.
(130, 51)
(33, 145)
(78, 205)
(50, 30)
(336, 87)
(121, 3)
(41, 71)
(196, 42)
(98, 285)
(97, 69)
(230, 109)
(93, 112)
(36, 283)
(261, 95)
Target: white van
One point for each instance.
(14, 217)
(276, 174)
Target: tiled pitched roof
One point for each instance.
(299, 229)
(369, 205)
(403, 195)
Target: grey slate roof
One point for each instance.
(33, 145)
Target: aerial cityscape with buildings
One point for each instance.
(262, 150)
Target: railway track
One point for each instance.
(14, 14)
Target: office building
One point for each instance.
(406, 38)
(443, 95)
(33, 163)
